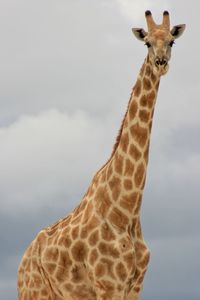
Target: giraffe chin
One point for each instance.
(161, 70)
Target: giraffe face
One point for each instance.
(159, 44)
(159, 40)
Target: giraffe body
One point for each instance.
(100, 247)
(98, 251)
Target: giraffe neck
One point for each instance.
(141, 104)
(120, 182)
(133, 141)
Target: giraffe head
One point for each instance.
(159, 40)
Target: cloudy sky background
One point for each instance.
(66, 72)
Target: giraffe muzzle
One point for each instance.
(161, 62)
(161, 65)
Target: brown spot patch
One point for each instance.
(115, 186)
(107, 233)
(146, 84)
(118, 219)
(77, 219)
(108, 249)
(130, 260)
(68, 287)
(32, 284)
(83, 291)
(119, 287)
(118, 161)
(93, 256)
(139, 174)
(153, 77)
(125, 123)
(79, 251)
(129, 201)
(33, 295)
(65, 241)
(77, 274)
(137, 88)
(142, 70)
(108, 288)
(92, 224)
(90, 191)
(37, 280)
(64, 260)
(134, 152)
(102, 201)
(94, 238)
(61, 274)
(148, 71)
(128, 185)
(27, 279)
(133, 109)
(125, 244)
(143, 101)
(34, 263)
(100, 270)
(84, 232)
(139, 134)
(103, 175)
(144, 115)
(75, 232)
(129, 168)
(109, 171)
(51, 254)
(44, 292)
(150, 99)
(124, 142)
(145, 260)
(121, 272)
(109, 266)
(140, 248)
(137, 289)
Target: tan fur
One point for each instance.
(98, 251)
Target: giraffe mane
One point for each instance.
(117, 140)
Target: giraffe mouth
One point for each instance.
(161, 69)
(161, 65)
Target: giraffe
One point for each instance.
(98, 252)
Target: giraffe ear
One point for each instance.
(177, 30)
(139, 33)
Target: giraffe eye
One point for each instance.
(148, 44)
(171, 43)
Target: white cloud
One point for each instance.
(134, 10)
(47, 155)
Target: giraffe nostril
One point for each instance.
(157, 62)
(160, 62)
(164, 62)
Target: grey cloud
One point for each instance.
(169, 273)
(67, 69)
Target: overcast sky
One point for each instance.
(67, 68)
